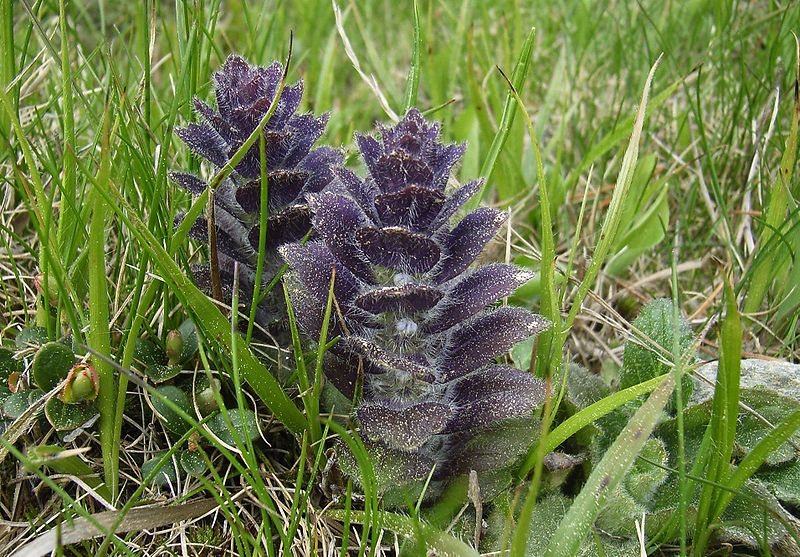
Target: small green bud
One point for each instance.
(174, 346)
(52, 288)
(206, 401)
(83, 383)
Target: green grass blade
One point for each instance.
(594, 412)
(724, 416)
(612, 220)
(210, 318)
(8, 66)
(99, 335)
(412, 82)
(263, 216)
(755, 458)
(765, 269)
(518, 77)
(575, 525)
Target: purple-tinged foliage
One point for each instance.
(422, 327)
(244, 94)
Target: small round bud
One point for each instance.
(52, 288)
(82, 383)
(206, 401)
(174, 345)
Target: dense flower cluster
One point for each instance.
(420, 327)
(244, 94)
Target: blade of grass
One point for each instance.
(412, 82)
(607, 233)
(42, 210)
(549, 305)
(263, 216)
(371, 516)
(594, 412)
(195, 426)
(724, 415)
(677, 371)
(764, 269)
(209, 317)
(518, 77)
(8, 66)
(99, 335)
(574, 527)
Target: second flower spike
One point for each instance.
(294, 169)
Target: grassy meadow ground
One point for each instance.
(92, 92)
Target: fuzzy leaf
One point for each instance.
(408, 298)
(476, 342)
(403, 427)
(413, 207)
(396, 248)
(467, 240)
(474, 292)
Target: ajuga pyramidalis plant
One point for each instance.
(244, 94)
(420, 328)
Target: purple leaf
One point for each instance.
(390, 361)
(474, 292)
(283, 186)
(408, 298)
(203, 140)
(289, 225)
(361, 192)
(402, 427)
(189, 182)
(494, 448)
(312, 265)
(454, 202)
(336, 219)
(397, 248)
(319, 165)
(485, 337)
(370, 151)
(342, 370)
(489, 381)
(398, 169)
(412, 207)
(467, 240)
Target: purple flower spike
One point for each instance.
(244, 94)
(421, 330)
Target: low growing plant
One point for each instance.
(420, 326)
(246, 234)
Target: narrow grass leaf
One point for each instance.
(764, 268)
(412, 82)
(518, 77)
(99, 335)
(575, 525)
(209, 317)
